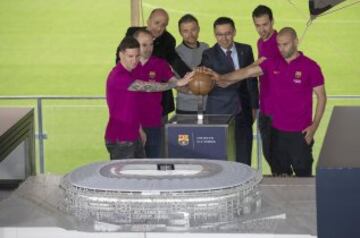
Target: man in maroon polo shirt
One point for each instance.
(124, 135)
(164, 47)
(123, 131)
(151, 68)
(293, 78)
(267, 47)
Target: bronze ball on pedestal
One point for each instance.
(201, 84)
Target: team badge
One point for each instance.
(276, 72)
(183, 139)
(297, 78)
(152, 75)
(298, 74)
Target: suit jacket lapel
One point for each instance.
(220, 52)
(241, 54)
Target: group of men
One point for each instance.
(139, 89)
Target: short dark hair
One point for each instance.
(262, 10)
(186, 19)
(128, 42)
(224, 20)
(141, 31)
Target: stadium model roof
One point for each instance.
(163, 175)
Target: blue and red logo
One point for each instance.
(183, 139)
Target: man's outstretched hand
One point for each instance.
(220, 80)
(184, 81)
(213, 75)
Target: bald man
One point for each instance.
(164, 47)
(293, 79)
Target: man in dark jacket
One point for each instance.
(240, 98)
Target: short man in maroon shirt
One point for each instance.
(164, 47)
(267, 47)
(124, 135)
(293, 78)
(151, 68)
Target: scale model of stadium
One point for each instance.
(173, 194)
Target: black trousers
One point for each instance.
(125, 149)
(154, 141)
(243, 137)
(266, 133)
(292, 153)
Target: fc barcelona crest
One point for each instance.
(297, 78)
(298, 74)
(183, 139)
(152, 75)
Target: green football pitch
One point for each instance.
(67, 48)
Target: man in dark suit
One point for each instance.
(164, 47)
(239, 99)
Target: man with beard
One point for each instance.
(190, 51)
(267, 47)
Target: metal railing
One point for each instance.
(41, 136)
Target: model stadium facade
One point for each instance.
(161, 194)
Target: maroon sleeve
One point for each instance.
(165, 70)
(316, 76)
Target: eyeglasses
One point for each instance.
(226, 34)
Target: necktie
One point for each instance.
(229, 58)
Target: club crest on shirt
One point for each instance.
(298, 74)
(152, 75)
(297, 78)
(183, 139)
